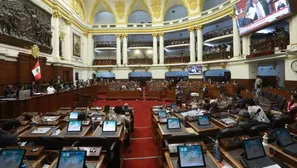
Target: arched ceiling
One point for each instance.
(121, 9)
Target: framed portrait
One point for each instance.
(76, 45)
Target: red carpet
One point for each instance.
(139, 147)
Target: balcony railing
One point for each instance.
(210, 56)
(267, 47)
(177, 41)
(104, 44)
(174, 60)
(104, 62)
(140, 44)
(140, 61)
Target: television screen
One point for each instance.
(195, 69)
(252, 15)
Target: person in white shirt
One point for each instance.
(256, 10)
(258, 82)
(50, 89)
(119, 115)
(254, 112)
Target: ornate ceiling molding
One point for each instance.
(156, 8)
(120, 9)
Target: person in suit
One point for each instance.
(258, 9)
(7, 137)
(9, 92)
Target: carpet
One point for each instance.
(142, 132)
(142, 148)
(142, 163)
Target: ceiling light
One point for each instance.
(137, 51)
(149, 51)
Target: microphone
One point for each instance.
(25, 159)
(75, 145)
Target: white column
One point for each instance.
(192, 44)
(119, 57)
(293, 32)
(125, 49)
(84, 48)
(155, 49)
(90, 47)
(161, 49)
(246, 42)
(236, 39)
(56, 35)
(67, 41)
(200, 43)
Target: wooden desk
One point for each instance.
(278, 152)
(117, 136)
(173, 163)
(22, 128)
(29, 136)
(204, 130)
(221, 124)
(74, 135)
(94, 164)
(232, 157)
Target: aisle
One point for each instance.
(143, 149)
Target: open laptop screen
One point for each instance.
(191, 156)
(203, 120)
(72, 159)
(173, 123)
(253, 148)
(11, 158)
(162, 114)
(109, 126)
(73, 115)
(283, 137)
(74, 126)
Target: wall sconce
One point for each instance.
(223, 65)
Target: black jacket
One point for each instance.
(7, 139)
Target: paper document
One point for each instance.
(273, 166)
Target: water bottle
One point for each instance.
(216, 150)
(265, 143)
(228, 112)
(54, 130)
(93, 125)
(286, 126)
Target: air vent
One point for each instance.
(103, 25)
(112, 26)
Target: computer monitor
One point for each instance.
(173, 123)
(191, 156)
(109, 126)
(174, 106)
(74, 126)
(203, 120)
(72, 159)
(73, 115)
(11, 158)
(283, 137)
(253, 148)
(162, 114)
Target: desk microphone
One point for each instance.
(75, 145)
(25, 159)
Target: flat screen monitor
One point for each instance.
(203, 120)
(253, 15)
(109, 126)
(283, 137)
(173, 123)
(74, 126)
(162, 114)
(191, 156)
(73, 115)
(11, 158)
(72, 159)
(253, 148)
(194, 69)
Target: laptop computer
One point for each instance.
(72, 159)
(74, 126)
(173, 123)
(286, 141)
(254, 154)
(191, 156)
(11, 158)
(109, 127)
(73, 115)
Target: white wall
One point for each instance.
(289, 74)
(179, 12)
(139, 16)
(211, 3)
(104, 17)
(82, 74)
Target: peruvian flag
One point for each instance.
(36, 71)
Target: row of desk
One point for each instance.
(230, 156)
(41, 157)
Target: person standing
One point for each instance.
(258, 82)
(179, 97)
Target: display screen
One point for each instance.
(194, 69)
(71, 159)
(73, 116)
(173, 123)
(109, 126)
(252, 15)
(11, 158)
(253, 148)
(162, 114)
(284, 137)
(191, 156)
(74, 126)
(203, 120)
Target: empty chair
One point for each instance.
(272, 97)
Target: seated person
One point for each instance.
(253, 111)
(293, 110)
(34, 120)
(50, 89)
(9, 92)
(194, 103)
(118, 110)
(245, 122)
(7, 137)
(126, 108)
(206, 104)
(106, 110)
(292, 103)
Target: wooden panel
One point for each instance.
(291, 84)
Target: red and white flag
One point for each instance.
(36, 71)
